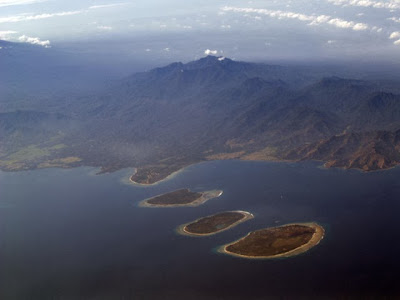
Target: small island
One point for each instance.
(182, 197)
(214, 224)
(284, 241)
(153, 174)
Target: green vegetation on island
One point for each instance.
(283, 241)
(215, 223)
(182, 197)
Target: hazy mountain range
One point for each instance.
(212, 108)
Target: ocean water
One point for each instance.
(71, 234)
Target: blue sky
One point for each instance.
(293, 30)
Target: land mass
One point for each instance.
(214, 224)
(182, 197)
(167, 118)
(283, 241)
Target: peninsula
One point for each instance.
(214, 224)
(182, 197)
(284, 241)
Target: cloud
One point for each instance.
(107, 5)
(24, 17)
(391, 4)
(311, 19)
(394, 35)
(210, 52)
(360, 26)
(377, 29)
(18, 2)
(347, 24)
(396, 42)
(396, 20)
(5, 34)
(34, 41)
(106, 28)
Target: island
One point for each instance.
(182, 197)
(214, 224)
(155, 173)
(283, 241)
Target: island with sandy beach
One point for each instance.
(155, 173)
(214, 224)
(283, 241)
(182, 197)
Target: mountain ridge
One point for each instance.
(172, 116)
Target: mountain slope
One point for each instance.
(217, 108)
(366, 150)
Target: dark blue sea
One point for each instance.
(71, 234)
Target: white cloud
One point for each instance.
(394, 35)
(106, 28)
(34, 41)
(210, 52)
(5, 34)
(397, 20)
(360, 26)
(24, 17)
(391, 4)
(311, 19)
(396, 42)
(18, 2)
(377, 29)
(167, 49)
(107, 5)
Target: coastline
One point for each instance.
(181, 229)
(169, 176)
(324, 165)
(207, 195)
(314, 241)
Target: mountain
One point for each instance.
(362, 150)
(33, 77)
(218, 108)
(30, 138)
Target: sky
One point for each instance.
(298, 30)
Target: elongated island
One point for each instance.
(214, 224)
(182, 197)
(274, 242)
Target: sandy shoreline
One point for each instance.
(315, 239)
(182, 228)
(170, 176)
(208, 195)
(324, 165)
